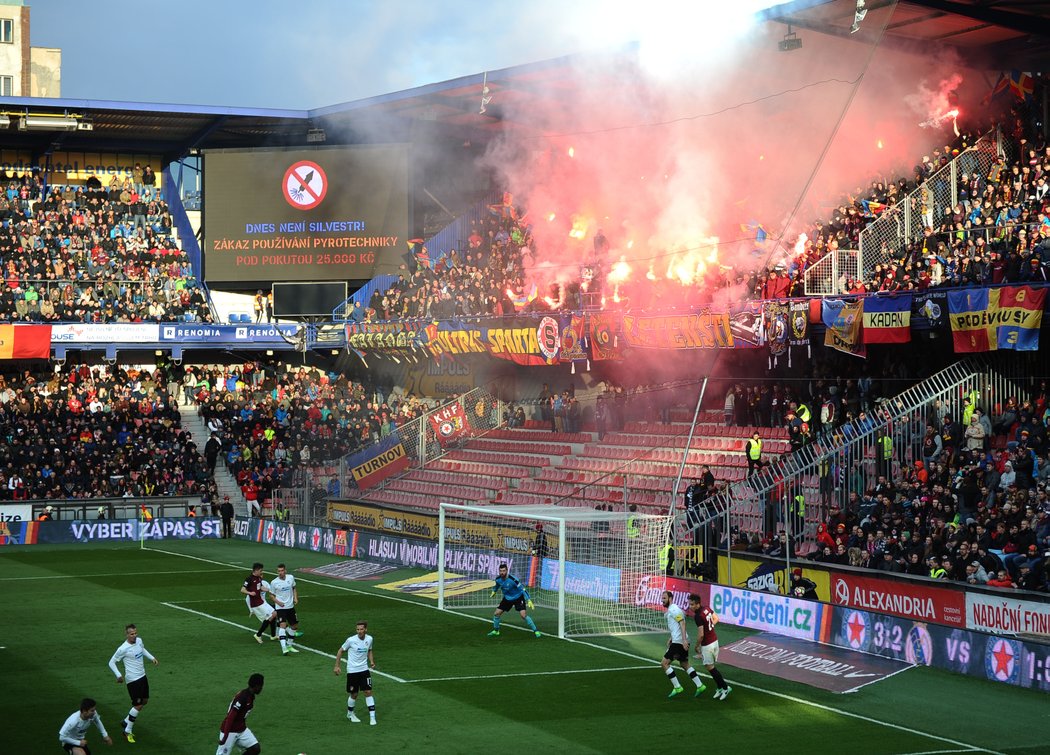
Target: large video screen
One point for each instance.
(329, 213)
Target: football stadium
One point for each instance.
(685, 394)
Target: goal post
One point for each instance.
(584, 568)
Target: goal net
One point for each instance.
(588, 572)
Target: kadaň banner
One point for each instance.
(985, 319)
(887, 319)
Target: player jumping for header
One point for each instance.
(514, 596)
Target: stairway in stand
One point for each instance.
(226, 483)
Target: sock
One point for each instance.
(262, 628)
(531, 623)
(284, 640)
(350, 704)
(371, 703)
(674, 679)
(273, 627)
(719, 679)
(694, 676)
(131, 719)
(495, 622)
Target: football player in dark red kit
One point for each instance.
(234, 731)
(707, 642)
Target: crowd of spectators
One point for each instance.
(89, 432)
(969, 503)
(93, 253)
(271, 421)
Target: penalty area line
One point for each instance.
(249, 629)
(798, 700)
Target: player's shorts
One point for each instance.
(242, 739)
(358, 680)
(709, 653)
(69, 748)
(676, 652)
(518, 604)
(138, 690)
(263, 612)
(287, 615)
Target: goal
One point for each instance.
(588, 572)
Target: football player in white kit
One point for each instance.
(359, 662)
(131, 652)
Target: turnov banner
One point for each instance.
(911, 600)
(25, 341)
(703, 331)
(887, 319)
(985, 319)
(373, 465)
(844, 323)
(449, 424)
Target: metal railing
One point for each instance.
(828, 275)
(118, 508)
(795, 492)
(884, 239)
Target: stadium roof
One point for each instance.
(998, 33)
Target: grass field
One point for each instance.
(443, 686)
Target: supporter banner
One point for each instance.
(603, 337)
(805, 619)
(997, 318)
(375, 464)
(887, 319)
(799, 320)
(523, 340)
(232, 334)
(775, 327)
(908, 599)
(513, 539)
(25, 341)
(449, 424)
(572, 339)
(769, 575)
(706, 331)
(588, 580)
(930, 309)
(1004, 615)
(386, 337)
(108, 531)
(844, 321)
(116, 332)
(998, 659)
(423, 555)
(818, 665)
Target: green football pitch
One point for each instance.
(442, 685)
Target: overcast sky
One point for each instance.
(265, 53)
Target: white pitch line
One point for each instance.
(880, 679)
(249, 629)
(798, 700)
(112, 574)
(528, 673)
(935, 752)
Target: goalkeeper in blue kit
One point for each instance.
(514, 596)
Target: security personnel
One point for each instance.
(936, 571)
(280, 513)
(45, 515)
(753, 452)
(667, 559)
(797, 510)
(884, 448)
(804, 413)
(632, 525)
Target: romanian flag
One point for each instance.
(997, 318)
(887, 320)
(524, 299)
(25, 341)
